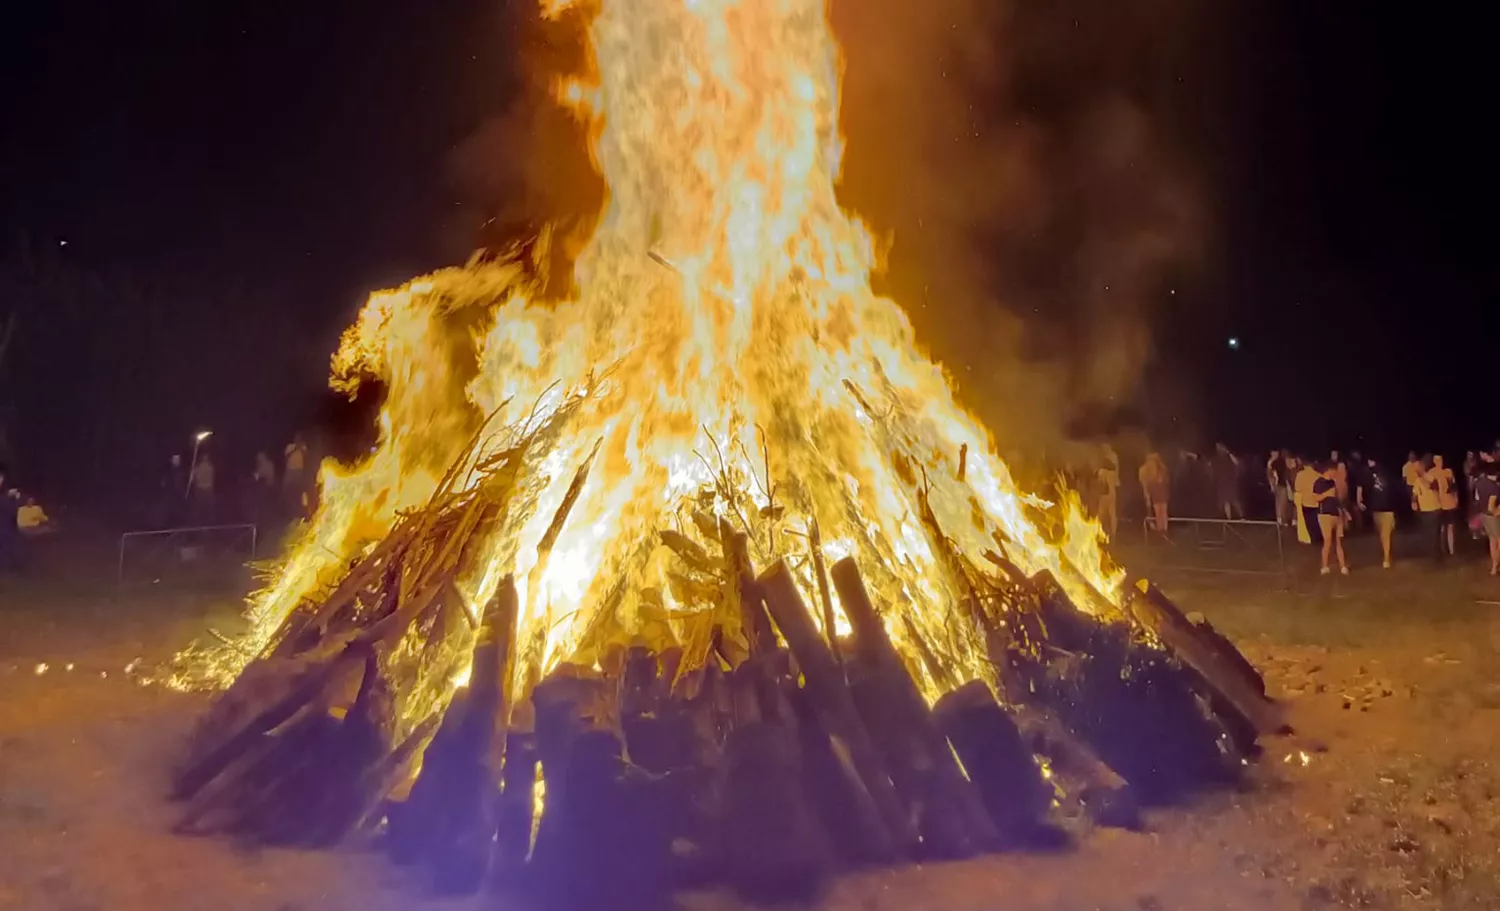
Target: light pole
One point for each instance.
(198, 439)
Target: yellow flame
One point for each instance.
(725, 324)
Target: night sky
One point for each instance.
(238, 174)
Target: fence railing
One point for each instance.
(175, 548)
(1247, 547)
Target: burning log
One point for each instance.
(998, 761)
(1108, 798)
(1236, 684)
(829, 696)
(955, 820)
(774, 848)
(515, 807)
(1145, 715)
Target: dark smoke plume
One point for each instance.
(1022, 155)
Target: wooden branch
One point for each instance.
(820, 570)
(743, 594)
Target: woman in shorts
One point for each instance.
(1330, 516)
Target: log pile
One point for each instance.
(755, 749)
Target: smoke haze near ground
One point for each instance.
(1017, 156)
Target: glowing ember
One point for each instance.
(724, 351)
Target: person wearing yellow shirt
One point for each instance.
(1426, 504)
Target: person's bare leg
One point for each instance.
(1327, 548)
(1161, 519)
(1494, 556)
(1385, 542)
(1451, 537)
(1338, 543)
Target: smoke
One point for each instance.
(1018, 156)
(1021, 155)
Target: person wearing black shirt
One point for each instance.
(1330, 516)
(1487, 502)
(1279, 479)
(1377, 498)
(1359, 481)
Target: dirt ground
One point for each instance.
(1386, 798)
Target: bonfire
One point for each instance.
(704, 573)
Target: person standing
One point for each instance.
(1377, 499)
(1411, 473)
(1156, 485)
(201, 502)
(173, 493)
(1330, 517)
(1359, 481)
(1310, 531)
(1109, 495)
(1427, 506)
(1340, 477)
(263, 488)
(1226, 477)
(1487, 502)
(294, 477)
(1277, 480)
(1446, 484)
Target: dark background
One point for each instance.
(197, 197)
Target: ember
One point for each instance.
(710, 554)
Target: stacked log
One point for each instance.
(760, 751)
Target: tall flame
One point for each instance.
(725, 330)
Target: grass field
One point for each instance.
(1385, 798)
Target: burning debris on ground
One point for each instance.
(704, 576)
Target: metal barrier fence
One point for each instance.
(1247, 547)
(201, 545)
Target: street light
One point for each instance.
(198, 439)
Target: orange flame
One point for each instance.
(725, 330)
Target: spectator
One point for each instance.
(1487, 499)
(1109, 494)
(1359, 480)
(1411, 473)
(294, 480)
(1330, 516)
(172, 493)
(1428, 507)
(1226, 476)
(1309, 530)
(1446, 485)
(1280, 483)
(1378, 499)
(1340, 479)
(1156, 484)
(263, 488)
(201, 500)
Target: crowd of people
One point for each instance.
(1325, 499)
(189, 493)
